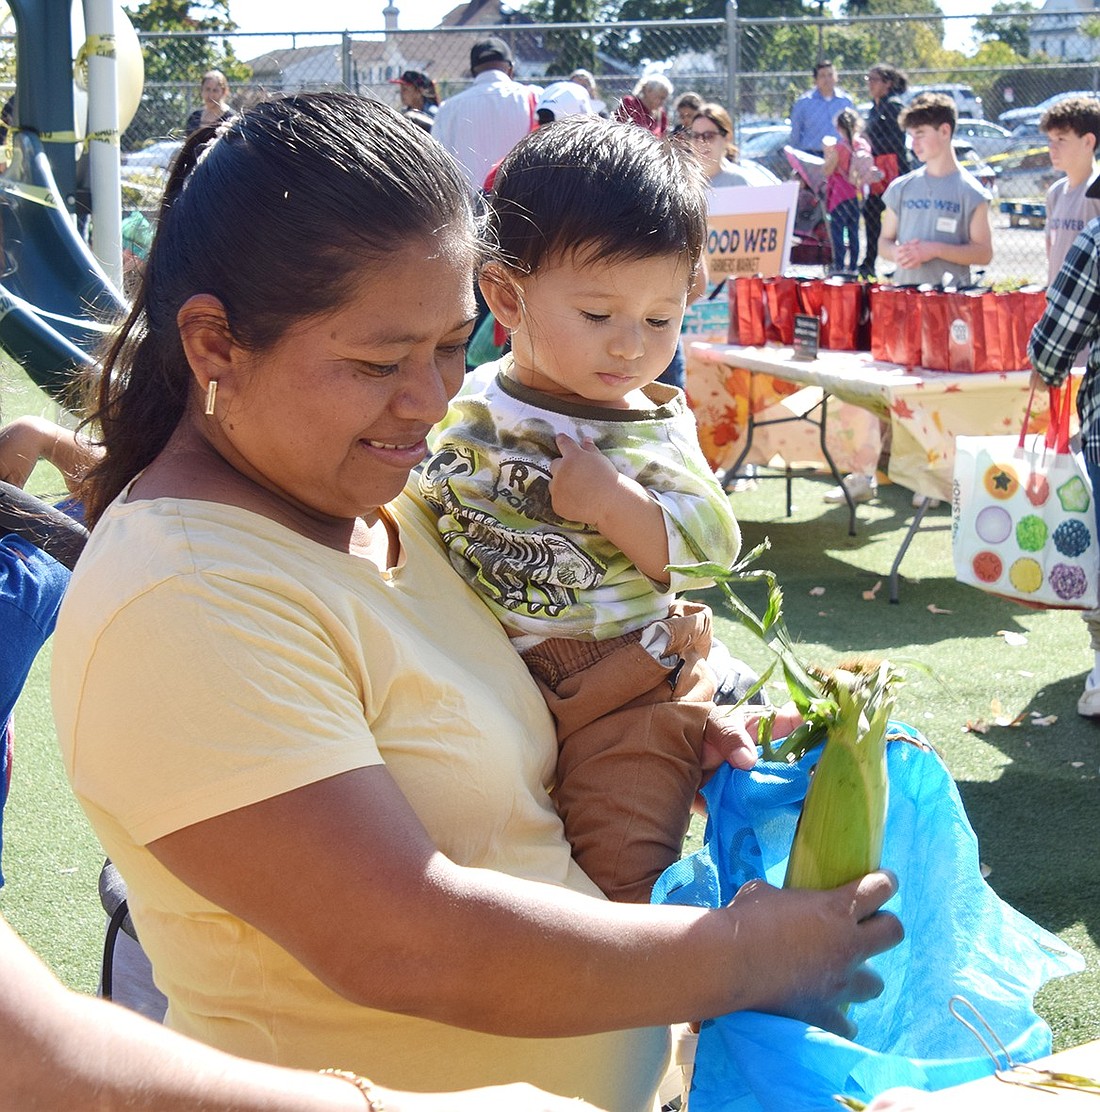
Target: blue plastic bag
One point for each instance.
(960, 938)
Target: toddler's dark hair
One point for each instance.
(596, 189)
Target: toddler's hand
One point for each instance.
(582, 481)
(725, 738)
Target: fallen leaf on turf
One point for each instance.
(1076, 764)
(1001, 718)
(869, 596)
(1012, 637)
(1043, 719)
(978, 727)
(934, 609)
(816, 591)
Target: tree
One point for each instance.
(999, 26)
(573, 50)
(636, 46)
(165, 100)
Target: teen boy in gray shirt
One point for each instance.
(1072, 128)
(936, 223)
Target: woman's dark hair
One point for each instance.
(597, 189)
(896, 80)
(276, 214)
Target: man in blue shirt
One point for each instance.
(814, 114)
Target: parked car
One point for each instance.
(986, 138)
(755, 173)
(1030, 113)
(970, 160)
(966, 100)
(764, 145)
(1024, 172)
(156, 156)
(144, 173)
(1029, 129)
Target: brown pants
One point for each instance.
(630, 735)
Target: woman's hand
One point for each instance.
(813, 962)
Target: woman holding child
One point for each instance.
(306, 743)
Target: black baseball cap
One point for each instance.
(489, 50)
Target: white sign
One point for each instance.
(751, 228)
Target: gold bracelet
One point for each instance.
(374, 1101)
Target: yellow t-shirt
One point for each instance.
(207, 658)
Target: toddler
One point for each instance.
(565, 480)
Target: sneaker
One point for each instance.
(862, 488)
(1088, 706)
(923, 500)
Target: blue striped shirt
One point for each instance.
(1071, 323)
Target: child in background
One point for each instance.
(846, 161)
(1072, 128)
(566, 480)
(936, 225)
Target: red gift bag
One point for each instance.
(965, 332)
(781, 303)
(863, 331)
(746, 296)
(811, 296)
(1018, 311)
(902, 342)
(976, 342)
(995, 354)
(1008, 303)
(1031, 304)
(935, 326)
(883, 301)
(841, 308)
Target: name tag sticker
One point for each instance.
(946, 224)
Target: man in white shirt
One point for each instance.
(481, 125)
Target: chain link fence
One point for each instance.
(993, 64)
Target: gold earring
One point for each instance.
(211, 396)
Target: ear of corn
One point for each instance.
(840, 830)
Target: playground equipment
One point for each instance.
(56, 297)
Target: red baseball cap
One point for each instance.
(414, 78)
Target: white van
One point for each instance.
(968, 103)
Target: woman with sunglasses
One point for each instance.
(711, 135)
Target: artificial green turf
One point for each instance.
(1031, 790)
